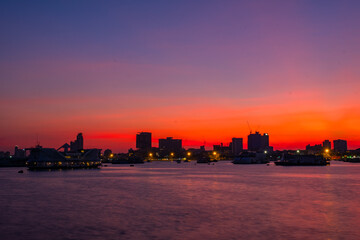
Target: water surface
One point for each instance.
(166, 200)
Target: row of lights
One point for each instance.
(189, 154)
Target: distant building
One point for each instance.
(314, 149)
(19, 153)
(143, 141)
(78, 144)
(4, 155)
(196, 151)
(258, 142)
(327, 144)
(107, 153)
(221, 148)
(169, 144)
(236, 146)
(340, 146)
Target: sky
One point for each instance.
(195, 70)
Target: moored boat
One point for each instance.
(302, 160)
(250, 158)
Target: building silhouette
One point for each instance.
(19, 153)
(327, 144)
(236, 146)
(143, 141)
(78, 144)
(258, 142)
(340, 146)
(222, 149)
(170, 145)
(316, 149)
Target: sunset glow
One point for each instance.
(199, 72)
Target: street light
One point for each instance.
(214, 153)
(189, 154)
(172, 154)
(150, 154)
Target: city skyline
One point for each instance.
(145, 143)
(195, 71)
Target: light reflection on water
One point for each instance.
(164, 200)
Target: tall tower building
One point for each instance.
(258, 142)
(78, 144)
(327, 144)
(80, 141)
(143, 141)
(236, 146)
(340, 146)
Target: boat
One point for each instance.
(250, 158)
(50, 158)
(302, 160)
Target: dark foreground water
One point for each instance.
(165, 200)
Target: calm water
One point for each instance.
(165, 200)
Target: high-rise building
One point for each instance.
(258, 142)
(237, 146)
(170, 144)
(327, 144)
(143, 141)
(340, 146)
(78, 144)
(80, 141)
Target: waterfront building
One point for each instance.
(224, 151)
(19, 153)
(170, 144)
(316, 149)
(237, 146)
(327, 144)
(258, 142)
(340, 146)
(107, 153)
(45, 158)
(143, 141)
(4, 155)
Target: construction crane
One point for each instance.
(249, 127)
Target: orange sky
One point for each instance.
(292, 120)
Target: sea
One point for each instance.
(169, 200)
